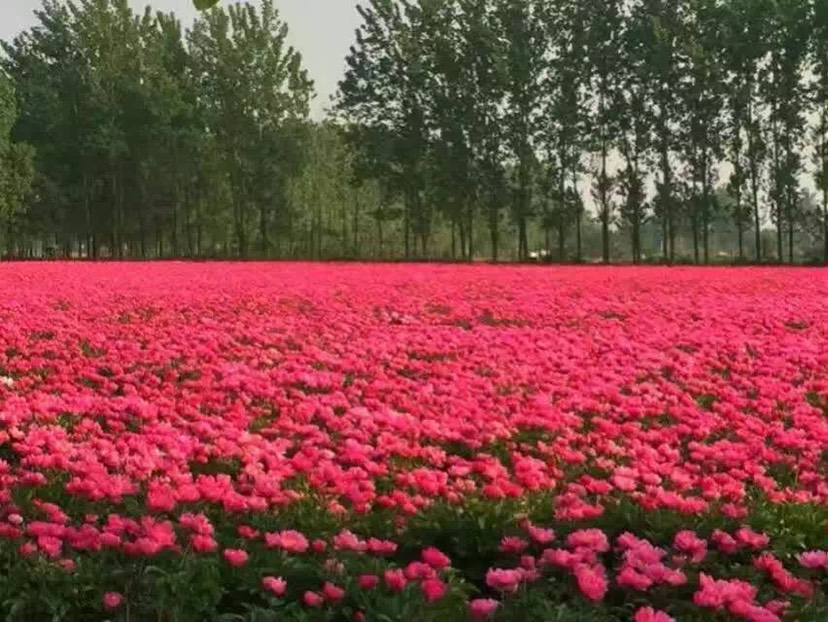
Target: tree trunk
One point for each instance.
(790, 208)
(825, 223)
(605, 213)
(578, 217)
(754, 179)
(695, 226)
(355, 236)
(740, 227)
(264, 240)
(493, 230)
(470, 228)
(407, 230)
(705, 209)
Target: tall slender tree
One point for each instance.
(701, 104)
(819, 95)
(635, 128)
(659, 24)
(604, 34)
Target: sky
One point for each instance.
(322, 30)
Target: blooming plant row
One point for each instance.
(305, 442)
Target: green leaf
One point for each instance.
(203, 5)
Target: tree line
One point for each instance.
(614, 130)
(679, 116)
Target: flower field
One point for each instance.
(353, 442)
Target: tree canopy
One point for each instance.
(620, 130)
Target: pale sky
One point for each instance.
(322, 30)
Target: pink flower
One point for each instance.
(433, 589)
(754, 540)
(235, 557)
(435, 558)
(539, 534)
(648, 614)
(395, 580)
(289, 540)
(368, 581)
(689, 543)
(313, 599)
(631, 578)
(112, 600)
(247, 532)
(591, 539)
(725, 542)
(482, 608)
(592, 581)
(347, 541)
(332, 592)
(511, 544)
(777, 606)
(815, 560)
(203, 544)
(506, 581)
(274, 585)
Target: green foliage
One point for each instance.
(16, 164)
(203, 5)
(461, 129)
(191, 586)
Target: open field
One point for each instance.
(364, 442)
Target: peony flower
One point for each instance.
(367, 581)
(592, 581)
(112, 600)
(815, 560)
(482, 608)
(433, 589)
(274, 585)
(332, 592)
(395, 580)
(511, 544)
(235, 557)
(648, 614)
(435, 558)
(503, 580)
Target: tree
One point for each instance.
(743, 48)
(701, 102)
(524, 48)
(784, 93)
(658, 24)
(254, 92)
(448, 96)
(636, 122)
(566, 112)
(383, 89)
(482, 48)
(819, 95)
(16, 165)
(604, 38)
